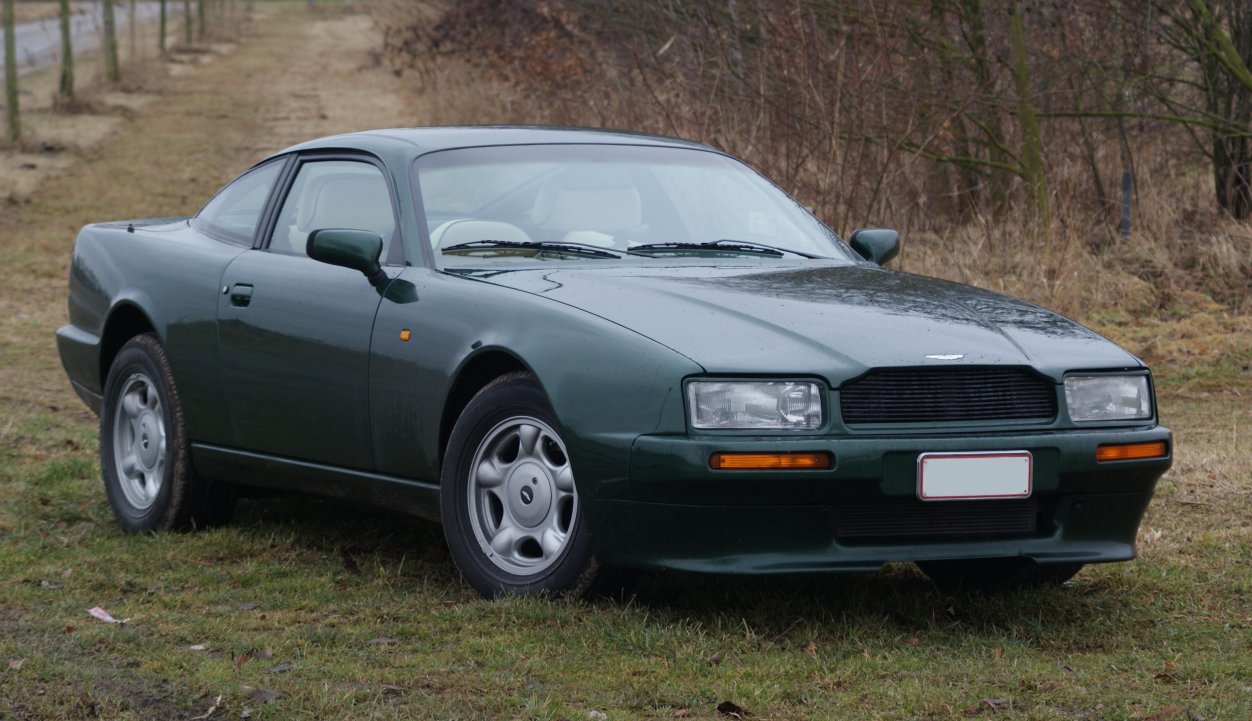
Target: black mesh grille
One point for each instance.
(922, 395)
(910, 518)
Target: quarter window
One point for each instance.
(233, 214)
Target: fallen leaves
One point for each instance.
(262, 654)
(15, 664)
(103, 615)
(217, 703)
(263, 695)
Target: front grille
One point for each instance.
(911, 518)
(926, 395)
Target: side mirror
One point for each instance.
(877, 245)
(355, 249)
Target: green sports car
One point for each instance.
(589, 352)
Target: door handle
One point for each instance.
(240, 295)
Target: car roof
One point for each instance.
(424, 140)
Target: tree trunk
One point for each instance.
(1229, 86)
(162, 30)
(111, 69)
(200, 28)
(10, 74)
(131, 29)
(66, 88)
(1232, 174)
(186, 22)
(1037, 197)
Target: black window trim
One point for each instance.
(270, 217)
(206, 230)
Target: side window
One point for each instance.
(335, 194)
(233, 214)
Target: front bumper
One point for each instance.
(682, 515)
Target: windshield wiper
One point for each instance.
(568, 248)
(734, 246)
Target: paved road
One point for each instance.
(39, 43)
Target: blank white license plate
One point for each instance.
(967, 476)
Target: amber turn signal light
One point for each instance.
(808, 461)
(1132, 451)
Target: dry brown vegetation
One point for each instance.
(896, 114)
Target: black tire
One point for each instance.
(144, 453)
(519, 502)
(993, 574)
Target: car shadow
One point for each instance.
(898, 600)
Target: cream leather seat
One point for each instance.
(468, 230)
(589, 207)
(356, 201)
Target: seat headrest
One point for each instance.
(588, 198)
(357, 201)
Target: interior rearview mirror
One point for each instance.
(355, 249)
(877, 245)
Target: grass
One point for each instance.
(307, 609)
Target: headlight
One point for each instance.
(1108, 398)
(745, 405)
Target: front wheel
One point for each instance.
(511, 511)
(990, 574)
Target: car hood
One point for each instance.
(831, 319)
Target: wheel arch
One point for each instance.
(125, 321)
(474, 375)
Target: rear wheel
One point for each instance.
(144, 453)
(989, 574)
(511, 510)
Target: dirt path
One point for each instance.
(160, 147)
(194, 124)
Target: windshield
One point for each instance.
(609, 202)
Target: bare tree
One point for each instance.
(1031, 170)
(1220, 41)
(112, 69)
(186, 22)
(65, 89)
(10, 74)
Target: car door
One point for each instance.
(295, 333)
